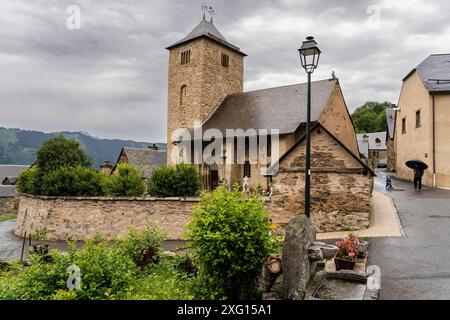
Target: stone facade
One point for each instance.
(341, 186)
(81, 218)
(206, 82)
(9, 205)
(391, 155)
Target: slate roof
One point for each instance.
(7, 191)
(390, 115)
(145, 159)
(282, 108)
(206, 29)
(372, 143)
(363, 146)
(8, 170)
(434, 72)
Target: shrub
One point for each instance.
(183, 180)
(231, 235)
(27, 181)
(127, 181)
(144, 248)
(106, 273)
(67, 181)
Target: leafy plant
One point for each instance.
(231, 235)
(183, 180)
(126, 181)
(144, 248)
(78, 181)
(27, 181)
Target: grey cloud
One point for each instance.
(110, 77)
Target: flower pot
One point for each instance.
(343, 264)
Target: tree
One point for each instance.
(61, 152)
(371, 117)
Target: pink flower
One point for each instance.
(338, 243)
(351, 254)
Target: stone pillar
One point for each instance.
(297, 268)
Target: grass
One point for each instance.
(7, 217)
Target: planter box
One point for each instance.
(342, 264)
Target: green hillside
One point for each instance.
(20, 146)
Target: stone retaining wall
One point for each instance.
(9, 205)
(80, 218)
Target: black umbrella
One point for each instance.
(413, 164)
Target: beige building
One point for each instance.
(422, 124)
(206, 75)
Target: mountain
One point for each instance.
(20, 146)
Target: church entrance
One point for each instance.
(214, 179)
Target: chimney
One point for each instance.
(365, 138)
(106, 168)
(153, 147)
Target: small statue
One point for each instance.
(246, 185)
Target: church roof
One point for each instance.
(434, 72)
(282, 108)
(145, 159)
(206, 29)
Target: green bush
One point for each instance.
(106, 273)
(27, 181)
(231, 235)
(127, 181)
(78, 181)
(183, 180)
(144, 248)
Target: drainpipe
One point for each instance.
(434, 140)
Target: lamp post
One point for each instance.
(309, 57)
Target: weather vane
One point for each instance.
(210, 11)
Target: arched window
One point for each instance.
(183, 93)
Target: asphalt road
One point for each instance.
(416, 266)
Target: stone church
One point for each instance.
(205, 85)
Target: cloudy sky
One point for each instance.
(109, 77)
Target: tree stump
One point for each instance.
(271, 269)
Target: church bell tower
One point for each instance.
(203, 69)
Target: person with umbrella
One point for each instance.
(419, 168)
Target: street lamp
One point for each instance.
(309, 57)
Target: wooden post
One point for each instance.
(23, 246)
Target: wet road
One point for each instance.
(416, 266)
(10, 245)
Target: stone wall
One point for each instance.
(391, 155)
(81, 218)
(9, 205)
(341, 186)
